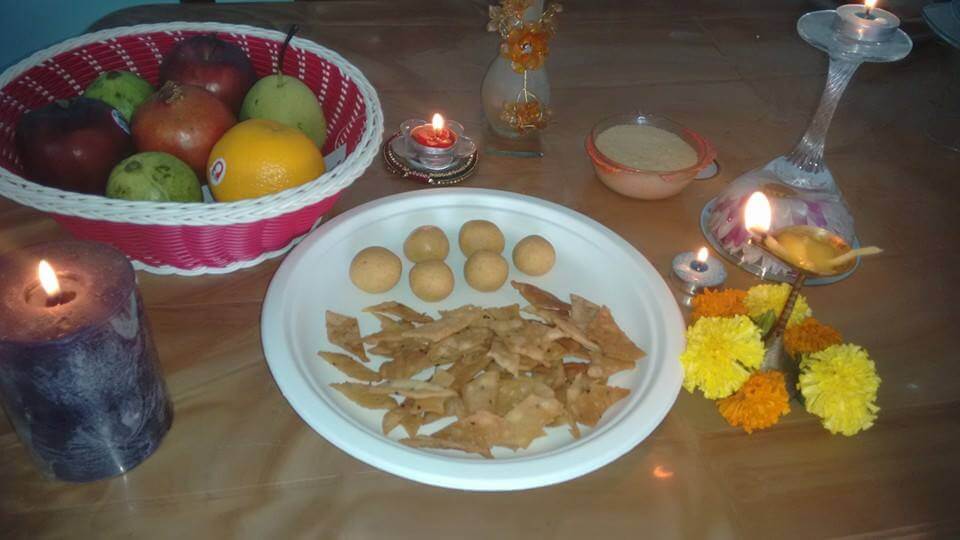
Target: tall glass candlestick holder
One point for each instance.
(800, 184)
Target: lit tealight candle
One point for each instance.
(866, 22)
(698, 271)
(435, 134)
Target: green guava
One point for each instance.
(122, 90)
(287, 100)
(154, 176)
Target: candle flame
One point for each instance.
(48, 279)
(702, 255)
(757, 213)
(437, 122)
(869, 4)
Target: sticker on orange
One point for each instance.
(217, 171)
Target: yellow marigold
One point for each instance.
(763, 298)
(759, 403)
(839, 384)
(725, 303)
(810, 336)
(721, 353)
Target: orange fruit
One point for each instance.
(258, 157)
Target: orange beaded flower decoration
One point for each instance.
(759, 403)
(507, 12)
(524, 116)
(526, 47)
(524, 43)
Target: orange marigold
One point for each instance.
(725, 303)
(759, 403)
(810, 336)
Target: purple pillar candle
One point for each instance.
(79, 376)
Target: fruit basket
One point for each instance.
(192, 238)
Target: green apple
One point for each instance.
(122, 90)
(154, 176)
(287, 100)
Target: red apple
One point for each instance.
(73, 144)
(211, 63)
(182, 120)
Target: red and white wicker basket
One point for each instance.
(191, 238)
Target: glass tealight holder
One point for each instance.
(431, 158)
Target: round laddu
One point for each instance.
(426, 243)
(534, 255)
(480, 234)
(486, 271)
(431, 281)
(375, 269)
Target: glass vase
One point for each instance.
(501, 85)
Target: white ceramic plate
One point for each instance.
(591, 261)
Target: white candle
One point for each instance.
(865, 22)
(698, 271)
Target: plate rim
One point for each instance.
(440, 470)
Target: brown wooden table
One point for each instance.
(239, 462)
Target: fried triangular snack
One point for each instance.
(588, 399)
(450, 323)
(399, 310)
(613, 342)
(565, 325)
(526, 421)
(362, 396)
(389, 324)
(344, 332)
(504, 357)
(350, 367)
(412, 389)
(540, 298)
(603, 366)
(423, 441)
(582, 311)
(480, 394)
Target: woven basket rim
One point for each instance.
(101, 208)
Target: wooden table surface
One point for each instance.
(239, 462)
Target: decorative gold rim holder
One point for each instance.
(774, 355)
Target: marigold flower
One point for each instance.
(810, 336)
(725, 303)
(839, 384)
(768, 297)
(759, 403)
(721, 352)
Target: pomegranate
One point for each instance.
(182, 120)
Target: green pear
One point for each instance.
(154, 176)
(287, 100)
(122, 90)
